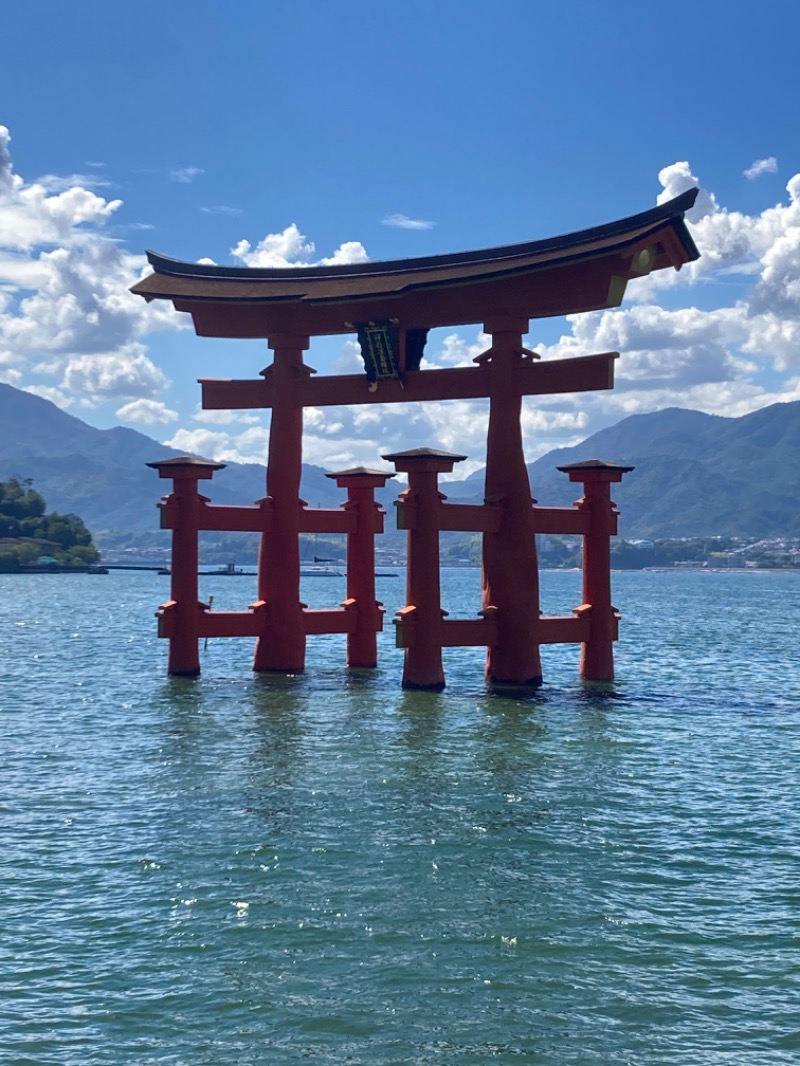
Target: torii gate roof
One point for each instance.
(583, 271)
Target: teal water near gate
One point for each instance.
(325, 869)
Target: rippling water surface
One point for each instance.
(325, 869)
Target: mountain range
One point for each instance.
(695, 474)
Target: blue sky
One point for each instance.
(272, 131)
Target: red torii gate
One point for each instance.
(392, 305)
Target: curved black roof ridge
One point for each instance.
(672, 209)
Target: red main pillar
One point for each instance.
(281, 644)
(181, 515)
(597, 654)
(510, 569)
(362, 643)
(419, 625)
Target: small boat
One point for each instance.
(320, 570)
(230, 570)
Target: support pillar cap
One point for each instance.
(595, 470)
(186, 466)
(430, 460)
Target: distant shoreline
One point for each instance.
(35, 568)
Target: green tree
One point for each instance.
(24, 519)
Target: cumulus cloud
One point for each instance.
(30, 215)
(725, 358)
(247, 447)
(761, 166)
(455, 351)
(400, 221)
(65, 310)
(349, 360)
(718, 354)
(678, 178)
(722, 335)
(47, 392)
(289, 248)
(731, 243)
(146, 413)
(204, 442)
(110, 375)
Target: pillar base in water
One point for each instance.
(414, 686)
(506, 686)
(287, 671)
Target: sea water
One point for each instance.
(326, 869)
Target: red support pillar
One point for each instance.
(597, 653)
(510, 568)
(183, 611)
(420, 623)
(362, 644)
(281, 644)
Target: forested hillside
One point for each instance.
(28, 532)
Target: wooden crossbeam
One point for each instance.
(586, 373)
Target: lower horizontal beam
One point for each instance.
(469, 632)
(235, 519)
(469, 518)
(225, 517)
(328, 620)
(228, 624)
(453, 632)
(561, 520)
(326, 520)
(248, 624)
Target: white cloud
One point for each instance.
(185, 175)
(114, 375)
(57, 183)
(289, 248)
(8, 375)
(658, 346)
(65, 309)
(404, 222)
(222, 447)
(47, 392)
(349, 252)
(761, 166)
(31, 216)
(319, 420)
(725, 359)
(202, 442)
(456, 351)
(722, 335)
(729, 399)
(678, 178)
(146, 413)
(349, 360)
